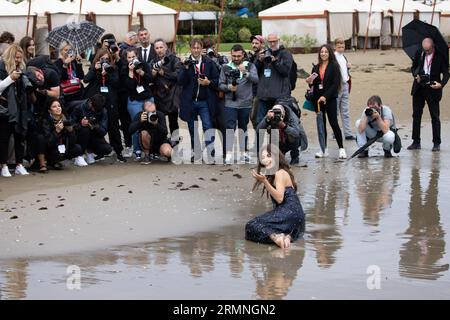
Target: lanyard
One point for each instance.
(103, 80)
(322, 73)
(69, 71)
(197, 71)
(138, 78)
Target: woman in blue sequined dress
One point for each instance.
(286, 222)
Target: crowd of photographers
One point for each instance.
(53, 110)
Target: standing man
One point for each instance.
(253, 56)
(343, 97)
(199, 78)
(428, 66)
(146, 52)
(275, 64)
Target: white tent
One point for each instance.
(13, 18)
(444, 8)
(158, 19)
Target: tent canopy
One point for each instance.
(197, 15)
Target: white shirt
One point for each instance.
(343, 65)
(148, 51)
(428, 60)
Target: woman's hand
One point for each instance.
(259, 177)
(59, 127)
(15, 75)
(322, 99)
(98, 65)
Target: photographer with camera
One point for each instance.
(15, 88)
(199, 78)
(151, 127)
(108, 42)
(376, 117)
(103, 78)
(274, 66)
(91, 123)
(55, 138)
(165, 69)
(253, 56)
(428, 66)
(71, 72)
(136, 77)
(236, 80)
(284, 119)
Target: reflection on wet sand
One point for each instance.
(324, 232)
(16, 284)
(420, 255)
(375, 185)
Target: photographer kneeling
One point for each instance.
(55, 139)
(91, 120)
(285, 120)
(376, 118)
(151, 125)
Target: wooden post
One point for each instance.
(79, 13)
(400, 25)
(130, 19)
(177, 23)
(327, 15)
(28, 17)
(367, 28)
(222, 9)
(434, 8)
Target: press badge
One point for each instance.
(140, 89)
(74, 81)
(320, 86)
(104, 90)
(267, 73)
(62, 148)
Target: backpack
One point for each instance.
(293, 75)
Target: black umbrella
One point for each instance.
(415, 31)
(320, 128)
(368, 144)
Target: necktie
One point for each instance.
(145, 55)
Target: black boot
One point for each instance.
(414, 146)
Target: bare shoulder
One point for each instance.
(283, 175)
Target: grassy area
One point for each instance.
(224, 47)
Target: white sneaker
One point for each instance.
(90, 158)
(21, 171)
(342, 154)
(80, 162)
(228, 159)
(127, 152)
(321, 154)
(5, 172)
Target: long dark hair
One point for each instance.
(273, 152)
(331, 56)
(100, 53)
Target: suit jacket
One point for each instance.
(438, 67)
(331, 82)
(150, 55)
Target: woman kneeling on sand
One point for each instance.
(286, 221)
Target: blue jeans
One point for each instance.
(200, 108)
(134, 107)
(242, 117)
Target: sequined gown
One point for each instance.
(287, 217)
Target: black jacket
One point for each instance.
(94, 80)
(46, 127)
(331, 82)
(83, 110)
(292, 122)
(150, 55)
(160, 129)
(63, 72)
(277, 84)
(438, 67)
(132, 83)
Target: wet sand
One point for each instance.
(175, 232)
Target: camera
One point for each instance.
(137, 64)
(210, 53)
(152, 116)
(112, 45)
(234, 75)
(369, 111)
(158, 65)
(277, 118)
(70, 53)
(268, 55)
(67, 123)
(424, 79)
(93, 121)
(190, 62)
(105, 64)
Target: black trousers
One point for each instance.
(124, 116)
(432, 99)
(173, 121)
(291, 146)
(330, 110)
(51, 152)
(115, 139)
(6, 130)
(88, 140)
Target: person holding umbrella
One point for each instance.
(428, 66)
(325, 80)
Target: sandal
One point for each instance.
(43, 169)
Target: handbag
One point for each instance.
(308, 105)
(72, 85)
(397, 142)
